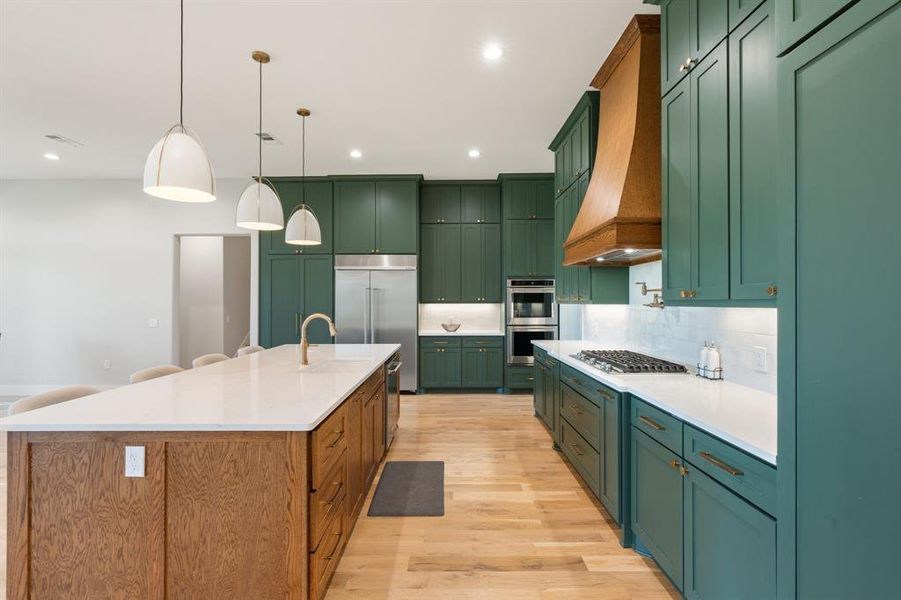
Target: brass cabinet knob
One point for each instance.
(772, 290)
(688, 294)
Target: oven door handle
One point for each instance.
(394, 367)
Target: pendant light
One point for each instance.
(260, 208)
(303, 226)
(177, 167)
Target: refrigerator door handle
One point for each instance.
(371, 319)
(366, 315)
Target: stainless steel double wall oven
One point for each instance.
(531, 315)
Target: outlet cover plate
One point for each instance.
(134, 461)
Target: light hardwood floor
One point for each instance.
(517, 524)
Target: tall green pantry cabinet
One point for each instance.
(839, 417)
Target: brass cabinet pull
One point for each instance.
(605, 394)
(572, 408)
(772, 290)
(720, 464)
(530, 378)
(337, 439)
(651, 422)
(688, 294)
(439, 342)
(575, 448)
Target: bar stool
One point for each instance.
(249, 350)
(153, 373)
(208, 359)
(63, 394)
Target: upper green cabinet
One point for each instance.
(480, 254)
(440, 274)
(440, 203)
(690, 29)
(376, 215)
(291, 289)
(528, 248)
(317, 194)
(480, 203)
(527, 196)
(739, 10)
(575, 143)
(797, 19)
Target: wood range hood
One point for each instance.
(619, 221)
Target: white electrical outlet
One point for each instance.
(760, 358)
(107, 364)
(134, 461)
(153, 323)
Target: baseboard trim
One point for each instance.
(30, 390)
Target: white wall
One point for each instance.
(677, 333)
(235, 299)
(201, 310)
(83, 265)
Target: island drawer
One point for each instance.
(745, 475)
(483, 342)
(328, 444)
(543, 357)
(661, 426)
(581, 455)
(589, 387)
(439, 342)
(582, 415)
(327, 500)
(324, 560)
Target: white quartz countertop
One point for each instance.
(265, 391)
(459, 333)
(737, 414)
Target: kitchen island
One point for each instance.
(244, 480)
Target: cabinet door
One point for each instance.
(368, 442)
(559, 171)
(318, 196)
(378, 426)
(354, 217)
(657, 503)
(543, 248)
(721, 532)
(676, 188)
(317, 294)
(280, 300)
(575, 145)
(492, 286)
(709, 26)
(585, 149)
(431, 271)
(610, 454)
(480, 204)
(544, 198)
(560, 232)
(675, 42)
(710, 177)
(397, 217)
(494, 367)
(450, 257)
(739, 10)
(538, 390)
(567, 148)
(798, 19)
(473, 368)
(752, 161)
(354, 457)
(431, 368)
(519, 199)
(517, 248)
(453, 368)
(583, 274)
(440, 204)
(471, 286)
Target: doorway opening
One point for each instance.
(212, 295)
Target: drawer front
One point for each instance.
(326, 501)
(520, 377)
(592, 389)
(748, 477)
(581, 455)
(325, 559)
(328, 445)
(545, 359)
(584, 416)
(659, 425)
(439, 342)
(483, 342)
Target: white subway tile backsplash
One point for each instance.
(677, 333)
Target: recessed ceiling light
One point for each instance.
(492, 51)
(600, 259)
(356, 154)
(51, 156)
(474, 153)
(630, 250)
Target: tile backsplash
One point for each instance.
(473, 317)
(678, 333)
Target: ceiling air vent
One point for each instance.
(267, 138)
(63, 140)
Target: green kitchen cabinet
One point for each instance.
(656, 502)
(440, 272)
(539, 392)
(838, 95)
(291, 289)
(752, 159)
(528, 248)
(690, 29)
(739, 10)
(728, 543)
(376, 216)
(440, 366)
(483, 367)
(527, 196)
(480, 203)
(797, 19)
(574, 145)
(696, 206)
(480, 256)
(519, 377)
(317, 194)
(440, 203)
(611, 456)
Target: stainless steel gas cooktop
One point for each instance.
(625, 361)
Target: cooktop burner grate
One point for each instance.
(626, 361)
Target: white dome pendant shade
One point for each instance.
(303, 226)
(260, 207)
(177, 167)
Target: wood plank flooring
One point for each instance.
(517, 525)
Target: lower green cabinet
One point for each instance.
(519, 378)
(656, 498)
(439, 363)
(483, 367)
(546, 392)
(461, 362)
(539, 393)
(292, 288)
(729, 544)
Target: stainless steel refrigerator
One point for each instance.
(376, 302)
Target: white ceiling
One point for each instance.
(404, 81)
